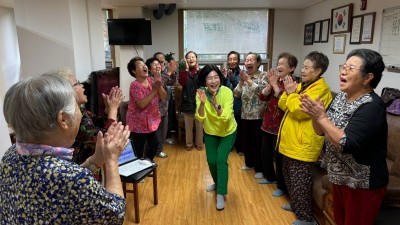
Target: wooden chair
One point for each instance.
(135, 179)
(180, 128)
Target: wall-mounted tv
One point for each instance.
(129, 31)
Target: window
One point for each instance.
(214, 33)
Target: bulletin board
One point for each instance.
(390, 38)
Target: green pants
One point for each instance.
(217, 150)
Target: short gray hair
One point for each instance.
(64, 72)
(31, 106)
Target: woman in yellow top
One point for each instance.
(298, 142)
(214, 108)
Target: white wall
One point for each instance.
(164, 34)
(56, 34)
(287, 26)
(323, 11)
(95, 30)
(80, 38)
(9, 67)
(44, 35)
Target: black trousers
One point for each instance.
(251, 143)
(267, 155)
(139, 140)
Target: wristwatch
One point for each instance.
(217, 107)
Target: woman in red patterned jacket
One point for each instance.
(272, 118)
(91, 124)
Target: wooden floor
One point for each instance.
(182, 179)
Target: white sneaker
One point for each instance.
(211, 187)
(170, 141)
(259, 175)
(246, 168)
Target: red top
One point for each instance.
(272, 114)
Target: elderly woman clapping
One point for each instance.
(38, 182)
(355, 129)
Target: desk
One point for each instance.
(135, 179)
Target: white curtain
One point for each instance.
(10, 64)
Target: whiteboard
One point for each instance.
(390, 37)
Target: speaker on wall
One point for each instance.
(170, 9)
(163, 8)
(158, 13)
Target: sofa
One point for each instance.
(322, 188)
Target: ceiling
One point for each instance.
(153, 4)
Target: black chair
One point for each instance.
(135, 180)
(137, 177)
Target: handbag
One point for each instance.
(389, 94)
(394, 108)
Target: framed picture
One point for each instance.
(355, 35)
(341, 19)
(308, 34)
(339, 42)
(317, 31)
(325, 30)
(368, 23)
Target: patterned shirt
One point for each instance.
(144, 120)
(272, 114)
(360, 162)
(47, 189)
(252, 107)
(87, 136)
(166, 81)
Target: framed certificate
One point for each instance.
(355, 35)
(367, 32)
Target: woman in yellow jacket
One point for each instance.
(298, 142)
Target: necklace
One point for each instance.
(212, 99)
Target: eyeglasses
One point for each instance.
(76, 84)
(346, 67)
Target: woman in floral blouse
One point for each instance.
(38, 182)
(356, 134)
(252, 81)
(91, 124)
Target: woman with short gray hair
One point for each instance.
(38, 180)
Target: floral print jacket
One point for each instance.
(50, 190)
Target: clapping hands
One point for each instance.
(315, 109)
(244, 76)
(289, 84)
(202, 95)
(113, 100)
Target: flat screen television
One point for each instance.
(129, 31)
